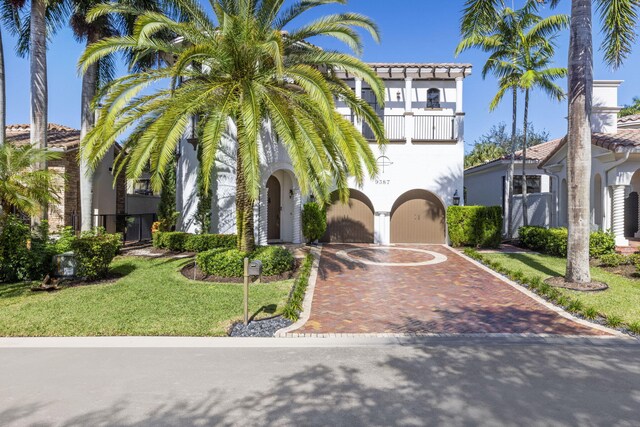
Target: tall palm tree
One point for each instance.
(493, 27)
(531, 70)
(23, 187)
(3, 96)
(246, 68)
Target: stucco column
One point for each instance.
(459, 120)
(382, 228)
(618, 215)
(358, 91)
(408, 109)
(459, 85)
(297, 216)
(263, 225)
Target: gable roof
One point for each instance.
(58, 136)
(536, 153)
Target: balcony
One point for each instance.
(394, 129)
(434, 128)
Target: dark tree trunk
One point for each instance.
(510, 171)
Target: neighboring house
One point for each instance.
(486, 185)
(615, 168)
(108, 202)
(420, 170)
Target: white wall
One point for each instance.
(104, 192)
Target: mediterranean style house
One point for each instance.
(486, 185)
(109, 202)
(420, 169)
(615, 168)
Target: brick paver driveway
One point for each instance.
(421, 289)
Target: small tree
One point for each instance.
(314, 221)
(167, 214)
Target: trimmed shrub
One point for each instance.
(178, 241)
(205, 242)
(222, 262)
(612, 260)
(478, 226)
(275, 260)
(24, 255)
(314, 221)
(94, 251)
(553, 241)
(294, 305)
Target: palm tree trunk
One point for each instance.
(244, 209)
(510, 171)
(3, 96)
(38, 71)
(525, 211)
(89, 89)
(579, 140)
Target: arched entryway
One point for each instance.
(350, 222)
(418, 216)
(631, 205)
(274, 207)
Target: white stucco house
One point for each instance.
(420, 170)
(486, 185)
(615, 168)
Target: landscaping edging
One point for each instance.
(559, 310)
(308, 298)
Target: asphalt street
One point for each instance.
(458, 382)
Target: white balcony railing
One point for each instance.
(434, 128)
(394, 128)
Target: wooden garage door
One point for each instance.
(418, 217)
(351, 222)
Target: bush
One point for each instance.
(66, 236)
(314, 221)
(222, 262)
(24, 255)
(294, 305)
(94, 251)
(179, 242)
(553, 241)
(205, 242)
(478, 226)
(612, 260)
(275, 260)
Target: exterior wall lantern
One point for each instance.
(291, 193)
(456, 199)
(399, 96)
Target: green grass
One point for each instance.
(152, 298)
(620, 302)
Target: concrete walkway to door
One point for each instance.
(423, 289)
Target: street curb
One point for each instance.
(541, 300)
(308, 298)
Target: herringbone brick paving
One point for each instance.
(455, 296)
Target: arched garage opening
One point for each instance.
(350, 222)
(418, 216)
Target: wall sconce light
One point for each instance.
(291, 193)
(399, 96)
(456, 199)
(312, 198)
(193, 138)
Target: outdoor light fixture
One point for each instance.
(193, 138)
(399, 96)
(456, 199)
(291, 193)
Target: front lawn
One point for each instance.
(622, 299)
(152, 298)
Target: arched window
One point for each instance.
(433, 98)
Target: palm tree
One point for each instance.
(3, 96)
(237, 72)
(531, 71)
(633, 108)
(495, 28)
(98, 74)
(24, 187)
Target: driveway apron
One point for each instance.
(422, 289)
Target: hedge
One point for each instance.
(294, 305)
(94, 251)
(314, 221)
(224, 262)
(553, 241)
(178, 241)
(478, 226)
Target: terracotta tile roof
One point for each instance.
(540, 151)
(419, 65)
(628, 119)
(58, 136)
(623, 140)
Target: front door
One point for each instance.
(273, 209)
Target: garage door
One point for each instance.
(418, 216)
(351, 222)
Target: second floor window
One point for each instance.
(433, 98)
(142, 186)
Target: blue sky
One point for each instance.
(412, 31)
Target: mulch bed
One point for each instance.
(56, 284)
(199, 275)
(628, 271)
(559, 282)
